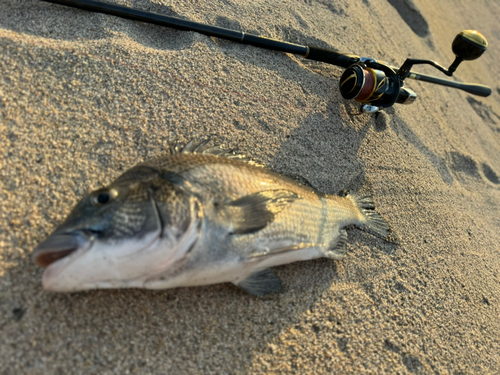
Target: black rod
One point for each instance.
(308, 52)
(153, 18)
(313, 53)
(180, 24)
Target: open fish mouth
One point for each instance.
(54, 248)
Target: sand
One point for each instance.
(85, 96)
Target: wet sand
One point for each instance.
(84, 96)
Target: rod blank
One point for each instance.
(309, 52)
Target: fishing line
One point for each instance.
(374, 84)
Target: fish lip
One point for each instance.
(56, 268)
(59, 276)
(58, 247)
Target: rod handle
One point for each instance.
(474, 89)
(471, 88)
(331, 57)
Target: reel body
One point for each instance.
(374, 84)
(377, 85)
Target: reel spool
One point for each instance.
(374, 84)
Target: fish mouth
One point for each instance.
(54, 248)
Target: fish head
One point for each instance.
(119, 235)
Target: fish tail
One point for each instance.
(372, 222)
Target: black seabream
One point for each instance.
(199, 215)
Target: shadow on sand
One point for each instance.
(231, 325)
(140, 329)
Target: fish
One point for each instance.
(199, 215)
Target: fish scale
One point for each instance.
(199, 215)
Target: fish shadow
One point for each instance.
(220, 321)
(322, 151)
(231, 327)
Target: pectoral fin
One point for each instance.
(261, 283)
(281, 250)
(253, 212)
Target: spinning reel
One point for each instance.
(377, 85)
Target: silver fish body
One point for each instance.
(198, 216)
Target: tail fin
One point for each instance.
(374, 223)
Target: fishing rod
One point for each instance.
(374, 84)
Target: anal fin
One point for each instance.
(261, 283)
(339, 249)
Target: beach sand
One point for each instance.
(84, 96)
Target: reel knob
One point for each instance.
(467, 45)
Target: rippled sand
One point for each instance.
(84, 96)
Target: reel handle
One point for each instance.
(467, 45)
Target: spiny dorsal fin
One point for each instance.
(230, 154)
(193, 147)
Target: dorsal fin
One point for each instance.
(193, 147)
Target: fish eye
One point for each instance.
(102, 197)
